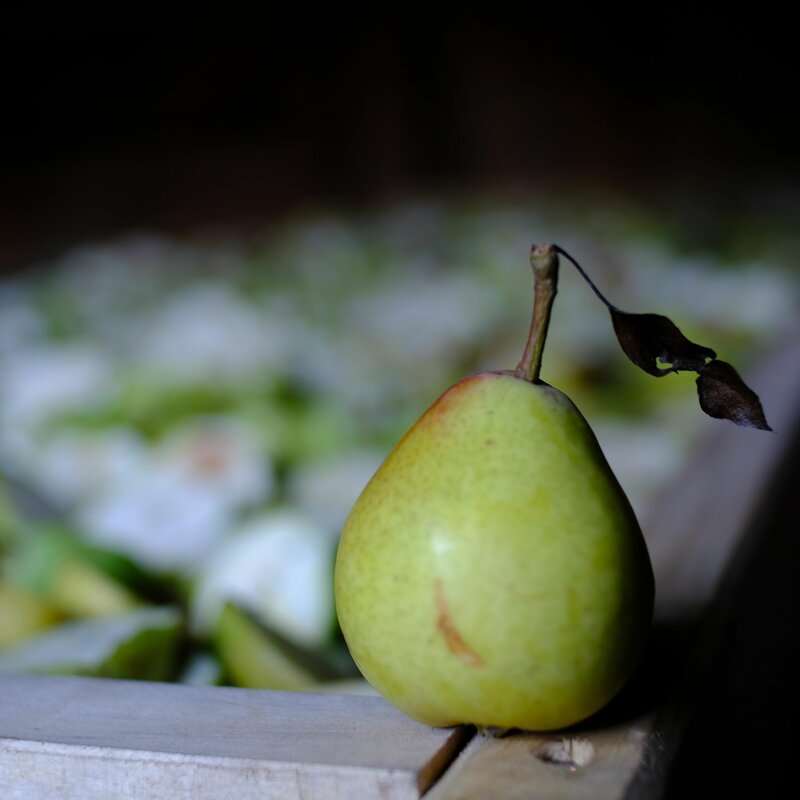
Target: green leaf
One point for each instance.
(141, 645)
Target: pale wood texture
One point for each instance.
(87, 738)
(585, 765)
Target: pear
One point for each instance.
(492, 571)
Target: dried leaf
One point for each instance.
(648, 339)
(655, 344)
(652, 339)
(724, 395)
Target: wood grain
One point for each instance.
(590, 764)
(88, 738)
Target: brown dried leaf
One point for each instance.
(655, 344)
(648, 339)
(724, 395)
(652, 339)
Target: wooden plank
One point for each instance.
(87, 738)
(577, 765)
(694, 532)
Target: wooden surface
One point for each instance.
(82, 738)
(590, 765)
(89, 738)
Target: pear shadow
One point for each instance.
(656, 683)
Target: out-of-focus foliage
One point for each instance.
(202, 413)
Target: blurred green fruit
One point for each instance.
(23, 614)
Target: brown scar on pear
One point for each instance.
(452, 636)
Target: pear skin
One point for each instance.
(492, 571)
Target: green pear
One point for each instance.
(492, 571)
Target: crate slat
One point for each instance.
(581, 765)
(88, 738)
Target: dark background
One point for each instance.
(180, 116)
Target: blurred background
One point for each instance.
(193, 115)
(239, 257)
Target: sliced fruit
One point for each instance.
(279, 566)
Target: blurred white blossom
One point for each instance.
(38, 382)
(422, 315)
(328, 488)
(643, 456)
(160, 519)
(220, 456)
(207, 331)
(74, 466)
(21, 324)
(185, 496)
(279, 566)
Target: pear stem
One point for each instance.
(544, 260)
